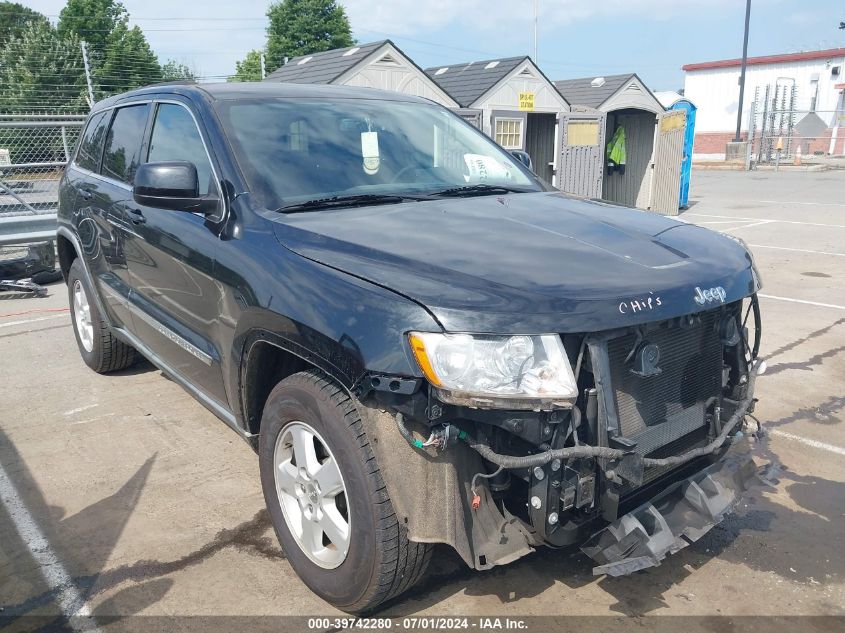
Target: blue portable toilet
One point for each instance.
(674, 101)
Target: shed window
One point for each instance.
(298, 137)
(509, 133)
(582, 133)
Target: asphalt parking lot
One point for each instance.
(135, 500)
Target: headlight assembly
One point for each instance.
(513, 372)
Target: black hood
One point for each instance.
(527, 263)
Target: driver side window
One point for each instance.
(176, 137)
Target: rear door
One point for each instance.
(176, 296)
(581, 166)
(667, 162)
(109, 158)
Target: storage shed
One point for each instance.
(674, 101)
(653, 139)
(379, 65)
(513, 102)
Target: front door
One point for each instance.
(176, 298)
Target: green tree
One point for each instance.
(41, 73)
(249, 68)
(14, 19)
(175, 71)
(129, 61)
(300, 27)
(92, 21)
(120, 57)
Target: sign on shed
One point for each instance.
(526, 101)
(5, 158)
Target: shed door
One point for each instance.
(470, 115)
(581, 167)
(666, 165)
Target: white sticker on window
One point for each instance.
(485, 168)
(369, 150)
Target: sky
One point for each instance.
(576, 38)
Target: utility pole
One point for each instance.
(263, 71)
(742, 72)
(87, 73)
(536, 11)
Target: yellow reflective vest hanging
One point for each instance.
(616, 155)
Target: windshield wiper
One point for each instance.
(479, 189)
(348, 201)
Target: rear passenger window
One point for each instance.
(176, 137)
(91, 147)
(123, 143)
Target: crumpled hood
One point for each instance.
(542, 262)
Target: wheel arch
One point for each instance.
(269, 358)
(67, 253)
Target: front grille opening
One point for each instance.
(665, 413)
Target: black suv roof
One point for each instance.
(251, 90)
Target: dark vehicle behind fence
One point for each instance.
(423, 342)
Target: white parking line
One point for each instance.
(806, 440)
(35, 320)
(745, 226)
(741, 218)
(67, 596)
(815, 204)
(809, 303)
(797, 250)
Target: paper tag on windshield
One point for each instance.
(369, 150)
(483, 168)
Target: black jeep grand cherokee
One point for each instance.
(424, 343)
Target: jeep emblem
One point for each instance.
(710, 295)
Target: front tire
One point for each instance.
(327, 499)
(98, 346)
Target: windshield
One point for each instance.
(295, 151)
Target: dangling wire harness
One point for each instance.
(476, 498)
(439, 438)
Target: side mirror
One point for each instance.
(523, 158)
(171, 185)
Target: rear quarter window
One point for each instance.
(91, 146)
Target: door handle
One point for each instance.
(86, 194)
(136, 216)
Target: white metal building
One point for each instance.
(818, 78)
(513, 102)
(379, 65)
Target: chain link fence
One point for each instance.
(34, 150)
(779, 130)
(792, 133)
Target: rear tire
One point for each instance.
(98, 346)
(379, 562)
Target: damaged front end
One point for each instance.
(647, 458)
(676, 517)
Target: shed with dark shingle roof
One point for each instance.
(468, 82)
(512, 101)
(610, 92)
(375, 65)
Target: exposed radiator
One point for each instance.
(667, 410)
